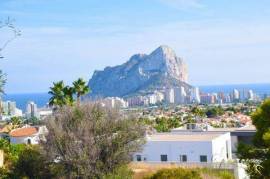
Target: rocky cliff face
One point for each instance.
(141, 74)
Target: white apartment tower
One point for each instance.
(180, 95)
(195, 95)
(250, 95)
(236, 94)
(32, 110)
(169, 96)
(9, 108)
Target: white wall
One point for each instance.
(24, 140)
(215, 150)
(173, 150)
(234, 140)
(220, 148)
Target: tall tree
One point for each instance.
(68, 92)
(58, 96)
(257, 156)
(80, 88)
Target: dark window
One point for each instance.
(139, 158)
(227, 149)
(144, 159)
(164, 158)
(203, 158)
(183, 158)
(29, 141)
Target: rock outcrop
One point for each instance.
(141, 74)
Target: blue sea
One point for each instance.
(41, 99)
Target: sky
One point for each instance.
(223, 42)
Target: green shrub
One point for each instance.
(4, 174)
(220, 174)
(178, 173)
(122, 172)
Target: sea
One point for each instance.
(41, 99)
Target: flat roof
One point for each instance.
(192, 136)
(235, 129)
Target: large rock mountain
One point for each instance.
(141, 74)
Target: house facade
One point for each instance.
(25, 135)
(189, 147)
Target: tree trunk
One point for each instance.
(78, 99)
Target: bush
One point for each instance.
(90, 141)
(178, 173)
(122, 172)
(31, 164)
(221, 174)
(4, 173)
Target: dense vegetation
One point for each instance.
(176, 173)
(85, 141)
(257, 156)
(196, 173)
(89, 141)
(214, 111)
(162, 124)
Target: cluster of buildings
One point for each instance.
(234, 97)
(166, 96)
(9, 110)
(180, 95)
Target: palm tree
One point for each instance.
(80, 88)
(68, 91)
(16, 121)
(58, 96)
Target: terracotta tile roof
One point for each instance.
(21, 132)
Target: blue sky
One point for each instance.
(223, 42)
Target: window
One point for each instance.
(203, 158)
(144, 159)
(183, 158)
(163, 158)
(227, 149)
(139, 158)
(29, 141)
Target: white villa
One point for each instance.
(189, 147)
(27, 135)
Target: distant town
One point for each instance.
(173, 116)
(167, 97)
